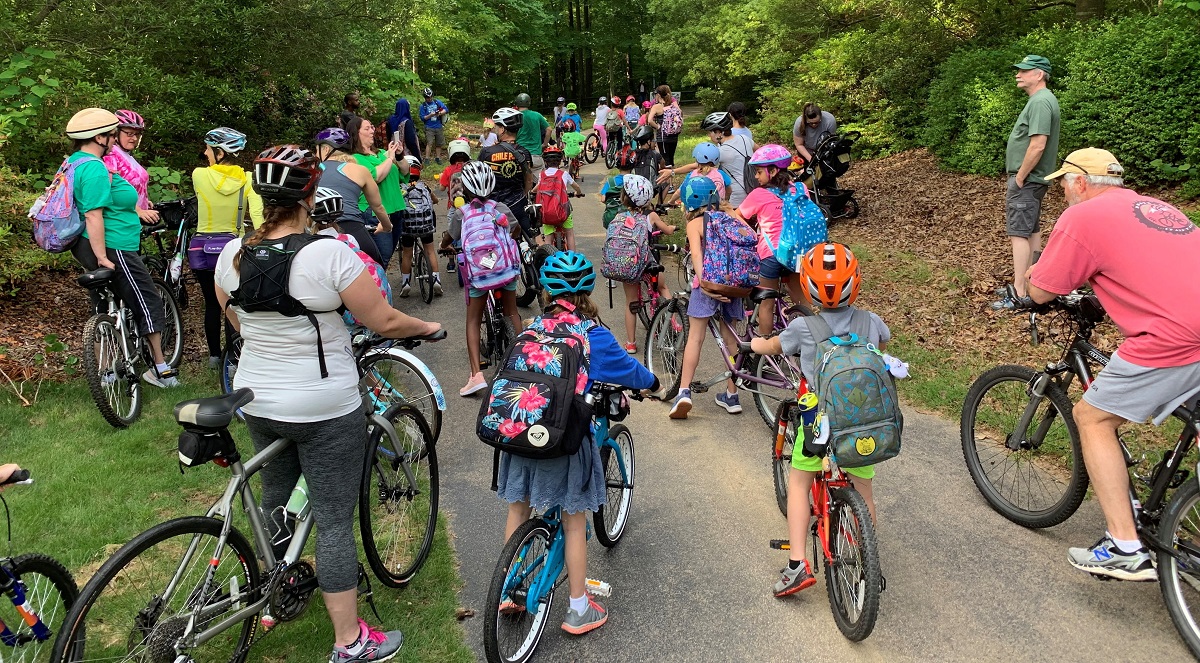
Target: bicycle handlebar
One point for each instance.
(669, 248)
(19, 476)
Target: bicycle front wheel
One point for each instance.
(172, 331)
(512, 635)
(665, 341)
(780, 370)
(49, 593)
(398, 502)
(781, 460)
(389, 377)
(853, 578)
(612, 517)
(162, 590)
(113, 381)
(1179, 577)
(1034, 477)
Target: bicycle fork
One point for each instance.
(16, 591)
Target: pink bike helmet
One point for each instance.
(130, 120)
(771, 155)
(647, 105)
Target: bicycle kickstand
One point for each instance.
(365, 590)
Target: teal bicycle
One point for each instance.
(532, 564)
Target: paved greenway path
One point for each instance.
(692, 577)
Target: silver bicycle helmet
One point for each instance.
(478, 178)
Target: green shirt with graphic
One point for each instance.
(1038, 118)
(96, 188)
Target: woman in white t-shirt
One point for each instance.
(600, 121)
(305, 381)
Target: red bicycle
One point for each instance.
(841, 525)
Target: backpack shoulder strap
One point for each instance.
(860, 325)
(820, 330)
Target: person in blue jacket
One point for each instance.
(575, 483)
(402, 121)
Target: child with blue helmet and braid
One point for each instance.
(575, 483)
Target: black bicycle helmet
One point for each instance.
(523, 101)
(285, 174)
(643, 134)
(719, 121)
(509, 119)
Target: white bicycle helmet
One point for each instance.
(224, 138)
(478, 178)
(509, 119)
(327, 205)
(459, 146)
(412, 160)
(638, 188)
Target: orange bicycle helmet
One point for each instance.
(831, 275)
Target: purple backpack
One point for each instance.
(56, 220)
(730, 265)
(490, 255)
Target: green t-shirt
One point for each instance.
(116, 198)
(573, 143)
(1038, 118)
(389, 189)
(533, 131)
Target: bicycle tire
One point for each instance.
(528, 544)
(527, 285)
(506, 334)
(422, 272)
(766, 398)
(853, 541)
(49, 592)
(172, 331)
(644, 300)
(389, 378)
(610, 155)
(231, 355)
(1176, 584)
(103, 626)
(987, 405)
(591, 148)
(611, 519)
(684, 272)
(389, 503)
(120, 400)
(665, 341)
(781, 465)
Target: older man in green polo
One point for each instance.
(1030, 156)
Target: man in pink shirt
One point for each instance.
(1139, 255)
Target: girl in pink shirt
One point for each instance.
(119, 160)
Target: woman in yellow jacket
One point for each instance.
(223, 198)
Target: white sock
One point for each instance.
(162, 368)
(579, 605)
(1127, 547)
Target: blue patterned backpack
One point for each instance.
(730, 266)
(856, 393)
(536, 406)
(802, 227)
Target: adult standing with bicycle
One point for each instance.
(120, 161)
(113, 232)
(224, 197)
(319, 410)
(1129, 248)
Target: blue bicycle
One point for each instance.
(532, 564)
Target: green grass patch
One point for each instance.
(96, 487)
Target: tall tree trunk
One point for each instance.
(1086, 10)
(588, 63)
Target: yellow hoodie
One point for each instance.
(217, 200)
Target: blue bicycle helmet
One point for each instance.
(567, 272)
(698, 191)
(228, 140)
(706, 152)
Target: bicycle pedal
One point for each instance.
(698, 387)
(781, 544)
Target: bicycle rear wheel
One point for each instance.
(113, 381)
(125, 612)
(512, 636)
(612, 517)
(591, 148)
(172, 331)
(766, 397)
(853, 578)
(665, 340)
(422, 272)
(781, 462)
(644, 299)
(1179, 578)
(390, 377)
(1034, 477)
(397, 516)
(49, 593)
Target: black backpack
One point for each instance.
(263, 286)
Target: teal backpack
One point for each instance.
(803, 226)
(612, 201)
(856, 393)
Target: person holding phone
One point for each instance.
(401, 122)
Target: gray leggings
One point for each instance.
(331, 455)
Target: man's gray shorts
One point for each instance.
(435, 137)
(1023, 207)
(1140, 393)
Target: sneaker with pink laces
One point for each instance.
(371, 645)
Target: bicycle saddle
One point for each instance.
(213, 413)
(655, 269)
(759, 295)
(96, 278)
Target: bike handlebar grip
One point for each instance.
(744, 347)
(16, 477)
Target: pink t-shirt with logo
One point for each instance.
(765, 208)
(1140, 256)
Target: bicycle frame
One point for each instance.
(131, 339)
(733, 369)
(829, 478)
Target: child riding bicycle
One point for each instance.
(832, 279)
(553, 156)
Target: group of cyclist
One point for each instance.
(322, 410)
